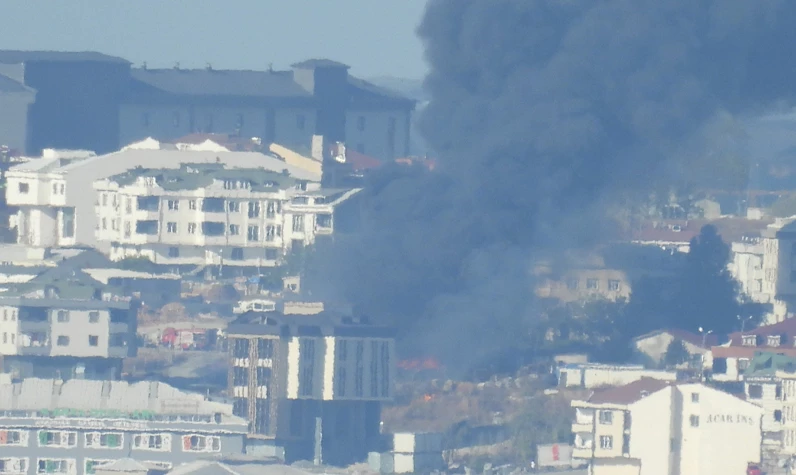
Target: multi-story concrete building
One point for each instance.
(76, 102)
(56, 427)
(289, 371)
(730, 360)
(56, 199)
(652, 427)
(62, 323)
(208, 214)
(118, 105)
(315, 97)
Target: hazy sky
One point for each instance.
(375, 37)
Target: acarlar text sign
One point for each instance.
(730, 419)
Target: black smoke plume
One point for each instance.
(545, 115)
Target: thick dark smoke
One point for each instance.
(545, 114)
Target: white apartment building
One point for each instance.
(55, 193)
(208, 214)
(651, 427)
(764, 272)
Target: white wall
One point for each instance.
(9, 330)
(78, 329)
(651, 432)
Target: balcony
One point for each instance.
(581, 452)
(582, 427)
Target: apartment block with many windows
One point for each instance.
(208, 214)
(288, 371)
(55, 427)
(64, 324)
(652, 427)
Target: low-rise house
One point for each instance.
(595, 375)
(652, 427)
(655, 344)
(730, 360)
(71, 427)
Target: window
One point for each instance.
(254, 209)
(54, 465)
(93, 340)
(271, 254)
(146, 227)
(127, 229)
(55, 188)
(755, 391)
(778, 391)
(191, 228)
(234, 229)
(104, 199)
(253, 233)
(613, 285)
(91, 465)
(301, 122)
(233, 206)
(57, 438)
(171, 227)
(62, 340)
(606, 417)
(104, 224)
(749, 340)
(606, 442)
(774, 340)
(63, 316)
(148, 203)
(211, 228)
(192, 205)
(301, 200)
(201, 443)
(24, 188)
(592, 284)
(272, 208)
(68, 222)
(158, 442)
(110, 440)
(272, 232)
(572, 284)
(694, 421)
(323, 221)
(237, 254)
(174, 252)
(361, 123)
(777, 416)
(128, 205)
(173, 205)
(694, 397)
(61, 188)
(15, 465)
(298, 223)
(13, 437)
(93, 317)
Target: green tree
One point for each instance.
(543, 420)
(676, 353)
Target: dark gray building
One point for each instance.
(77, 98)
(290, 372)
(51, 426)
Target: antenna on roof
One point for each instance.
(209, 67)
(270, 67)
(143, 66)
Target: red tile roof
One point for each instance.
(785, 329)
(359, 161)
(750, 351)
(629, 393)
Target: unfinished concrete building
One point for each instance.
(311, 385)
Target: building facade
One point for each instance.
(657, 428)
(55, 427)
(56, 199)
(64, 324)
(208, 214)
(290, 371)
(729, 361)
(315, 97)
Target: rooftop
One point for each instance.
(682, 231)
(152, 397)
(683, 335)
(16, 57)
(192, 176)
(629, 393)
(9, 85)
(766, 364)
(320, 324)
(208, 467)
(319, 63)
